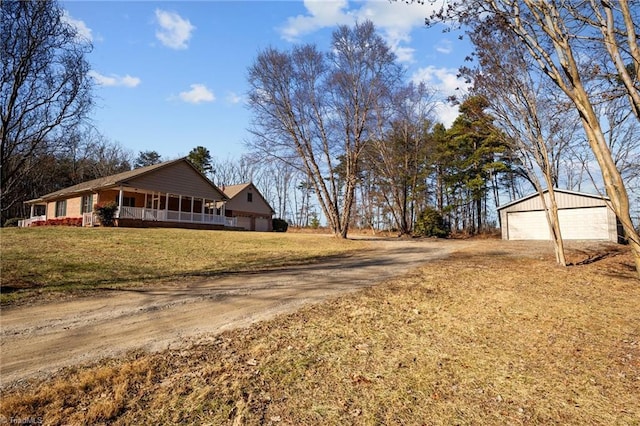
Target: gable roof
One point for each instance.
(119, 179)
(562, 191)
(233, 191)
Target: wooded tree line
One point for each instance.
(366, 141)
(341, 134)
(47, 143)
(408, 162)
(587, 52)
(545, 70)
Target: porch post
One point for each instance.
(144, 207)
(202, 210)
(192, 200)
(166, 205)
(179, 208)
(32, 209)
(120, 196)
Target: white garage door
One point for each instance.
(575, 224)
(584, 224)
(262, 224)
(527, 226)
(243, 222)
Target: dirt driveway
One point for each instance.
(37, 340)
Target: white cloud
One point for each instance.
(83, 31)
(198, 94)
(174, 31)
(446, 82)
(445, 46)
(322, 14)
(395, 20)
(114, 80)
(234, 98)
(446, 113)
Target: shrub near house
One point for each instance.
(65, 221)
(106, 212)
(280, 225)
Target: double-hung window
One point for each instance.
(61, 208)
(87, 204)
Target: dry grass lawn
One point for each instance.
(43, 262)
(494, 335)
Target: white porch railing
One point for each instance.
(171, 216)
(142, 213)
(27, 222)
(89, 219)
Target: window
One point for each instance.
(87, 204)
(128, 201)
(61, 208)
(249, 197)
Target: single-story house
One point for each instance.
(170, 194)
(248, 207)
(582, 217)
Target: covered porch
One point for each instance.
(38, 214)
(157, 215)
(135, 205)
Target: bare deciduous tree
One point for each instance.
(398, 159)
(534, 120)
(562, 38)
(317, 111)
(44, 88)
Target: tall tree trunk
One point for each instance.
(613, 183)
(554, 223)
(551, 24)
(479, 215)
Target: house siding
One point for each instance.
(74, 207)
(254, 215)
(240, 205)
(107, 196)
(179, 178)
(112, 196)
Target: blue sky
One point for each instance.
(171, 76)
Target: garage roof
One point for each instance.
(589, 200)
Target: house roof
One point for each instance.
(116, 180)
(232, 191)
(563, 191)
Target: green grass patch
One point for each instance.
(62, 259)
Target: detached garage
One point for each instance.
(582, 217)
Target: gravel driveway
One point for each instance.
(36, 340)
